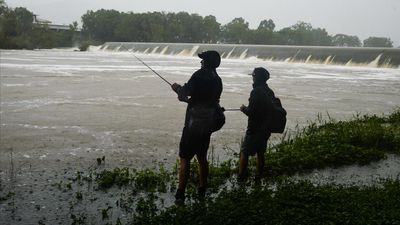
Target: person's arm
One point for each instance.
(243, 108)
(250, 109)
(184, 91)
(182, 96)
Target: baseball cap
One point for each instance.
(260, 72)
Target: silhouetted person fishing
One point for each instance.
(265, 116)
(203, 116)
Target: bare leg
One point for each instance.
(183, 173)
(243, 161)
(203, 164)
(260, 163)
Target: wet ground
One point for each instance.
(61, 110)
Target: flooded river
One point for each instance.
(61, 109)
(66, 105)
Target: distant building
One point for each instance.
(50, 25)
(37, 20)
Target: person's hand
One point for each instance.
(243, 108)
(175, 87)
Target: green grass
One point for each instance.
(332, 144)
(361, 140)
(290, 203)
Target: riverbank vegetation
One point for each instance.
(19, 31)
(182, 27)
(145, 196)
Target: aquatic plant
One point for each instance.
(106, 179)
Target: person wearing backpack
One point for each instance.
(203, 116)
(259, 112)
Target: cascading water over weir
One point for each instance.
(348, 56)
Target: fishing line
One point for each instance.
(152, 70)
(147, 66)
(229, 110)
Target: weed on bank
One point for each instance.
(276, 199)
(130, 196)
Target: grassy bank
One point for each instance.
(287, 203)
(337, 143)
(322, 144)
(129, 196)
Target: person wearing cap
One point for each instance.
(202, 91)
(257, 134)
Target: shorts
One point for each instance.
(255, 142)
(193, 144)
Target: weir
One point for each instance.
(348, 56)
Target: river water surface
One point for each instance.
(61, 109)
(59, 104)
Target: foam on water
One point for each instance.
(365, 57)
(17, 85)
(25, 105)
(79, 129)
(118, 83)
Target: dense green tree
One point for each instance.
(173, 28)
(24, 20)
(182, 20)
(268, 25)
(151, 27)
(378, 42)
(319, 37)
(42, 38)
(300, 33)
(346, 40)
(190, 27)
(67, 38)
(8, 22)
(264, 34)
(304, 34)
(18, 31)
(211, 29)
(195, 29)
(100, 25)
(286, 37)
(3, 6)
(12, 24)
(236, 31)
(127, 29)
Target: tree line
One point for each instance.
(18, 31)
(111, 25)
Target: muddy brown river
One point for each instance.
(62, 109)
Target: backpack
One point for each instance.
(277, 120)
(204, 120)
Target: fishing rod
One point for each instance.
(148, 66)
(153, 70)
(231, 110)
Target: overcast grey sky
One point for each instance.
(363, 18)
